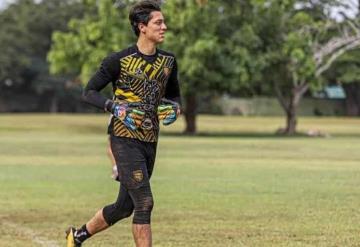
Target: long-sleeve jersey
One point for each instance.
(139, 78)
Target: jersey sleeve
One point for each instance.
(107, 73)
(172, 91)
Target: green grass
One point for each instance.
(237, 184)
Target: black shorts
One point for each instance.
(135, 160)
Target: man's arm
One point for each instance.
(108, 72)
(172, 91)
(169, 108)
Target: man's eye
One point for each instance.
(159, 22)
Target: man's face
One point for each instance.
(155, 29)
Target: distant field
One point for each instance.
(236, 184)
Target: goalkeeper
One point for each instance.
(146, 89)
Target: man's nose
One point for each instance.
(163, 26)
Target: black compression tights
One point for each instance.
(139, 201)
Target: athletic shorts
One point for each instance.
(135, 160)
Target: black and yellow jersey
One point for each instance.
(136, 78)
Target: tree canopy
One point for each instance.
(26, 29)
(88, 40)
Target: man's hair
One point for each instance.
(141, 13)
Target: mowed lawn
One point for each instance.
(236, 184)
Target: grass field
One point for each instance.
(237, 184)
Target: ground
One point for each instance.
(237, 184)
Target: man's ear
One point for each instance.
(142, 27)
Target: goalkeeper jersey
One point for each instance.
(136, 78)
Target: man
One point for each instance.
(146, 91)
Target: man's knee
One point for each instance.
(113, 214)
(125, 214)
(142, 212)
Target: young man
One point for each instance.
(146, 92)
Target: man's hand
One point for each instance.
(129, 114)
(114, 173)
(168, 111)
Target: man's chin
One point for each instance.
(160, 40)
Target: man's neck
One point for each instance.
(146, 47)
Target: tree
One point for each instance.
(26, 28)
(346, 71)
(302, 44)
(205, 37)
(102, 30)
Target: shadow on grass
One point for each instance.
(257, 135)
(232, 135)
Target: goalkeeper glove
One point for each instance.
(129, 114)
(168, 111)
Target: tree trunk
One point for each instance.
(352, 101)
(190, 114)
(54, 105)
(290, 106)
(291, 118)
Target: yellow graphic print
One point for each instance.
(144, 82)
(129, 96)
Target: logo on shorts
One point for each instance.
(138, 175)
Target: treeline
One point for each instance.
(240, 47)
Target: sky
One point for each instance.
(350, 12)
(2, 3)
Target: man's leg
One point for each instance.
(143, 201)
(142, 235)
(109, 215)
(77, 237)
(138, 187)
(97, 223)
(134, 175)
(142, 232)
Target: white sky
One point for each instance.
(3, 3)
(351, 11)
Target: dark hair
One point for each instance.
(141, 13)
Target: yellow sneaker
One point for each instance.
(70, 240)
